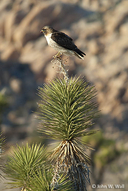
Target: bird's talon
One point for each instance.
(58, 56)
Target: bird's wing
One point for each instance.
(63, 40)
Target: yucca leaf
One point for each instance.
(41, 181)
(2, 140)
(22, 163)
(67, 109)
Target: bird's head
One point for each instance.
(47, 30)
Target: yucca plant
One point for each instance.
(3, 104)
(67, 109)
(23, 163)
(41, 181)
(2, 140)
(29, 169)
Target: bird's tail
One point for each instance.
(79, 53)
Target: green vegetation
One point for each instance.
(3, 102)
(29, 168)
(23, 162)
(105, 149)
(67, 109)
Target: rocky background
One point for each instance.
(100, 29)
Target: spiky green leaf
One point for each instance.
(23, 163)
(67, 108)
(41, 181)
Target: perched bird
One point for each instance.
(61, 42)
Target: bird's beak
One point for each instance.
(41, 31)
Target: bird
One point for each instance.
(61, 42)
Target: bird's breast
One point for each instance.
(51, 42)
(48, 38)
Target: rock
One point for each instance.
(16, 85)
(88, 30)
(112, 175)
(14, 18)
(120, 13)
(124, 29)
(2, 23)
(30, 27)
(95, 47)
(11, 53)
(5, 5)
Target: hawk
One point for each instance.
(61, 42)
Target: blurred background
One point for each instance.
(100, 29)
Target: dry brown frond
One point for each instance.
(70, 158)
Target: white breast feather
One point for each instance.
(51, 42)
